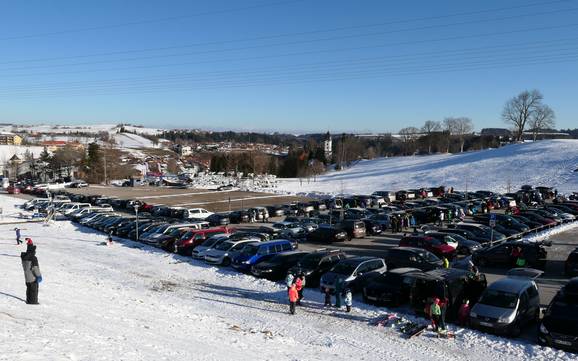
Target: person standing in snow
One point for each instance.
(464, 314)
(18, 240)
(32, 275)
(327, 293)
(300, 283)
(338, 289)
(293, 297)
(289, 280)
(348, 300)
(435, 313)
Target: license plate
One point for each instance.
(486, 324)
(565, 343)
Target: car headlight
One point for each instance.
(473, 314)
(245, 262)
(504, 319)
(543, 329)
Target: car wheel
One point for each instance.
(227, 262)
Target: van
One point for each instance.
(354, 228)
(506, 306)
(256, 252)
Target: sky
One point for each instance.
(284, 65)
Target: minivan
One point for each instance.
(506, 306)
(256, 252)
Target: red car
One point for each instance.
(195, 237)
(13, 190)
(435, 246)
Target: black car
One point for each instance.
(571, 264)
(390, 288)
(503, 221)
(402, 257)
(131, 226)
(527, 221)
(240, 216)
(276, 268)
(327, 234)
(218, 219)
(501, 255)
(464, 233)
(559, 327)
(316, 264)
(275, 211)
(465, 246)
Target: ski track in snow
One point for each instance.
(548, 162)
(133, 302)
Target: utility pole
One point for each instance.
(105, 174)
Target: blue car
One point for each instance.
(256, 252)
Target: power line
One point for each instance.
(152, 21)
(308, 41)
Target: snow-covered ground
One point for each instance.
(132, 141)
(129, 302)
(8, 151)
(549, 163)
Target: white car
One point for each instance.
(196, 213)
(220, 255)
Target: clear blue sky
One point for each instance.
(299, 66)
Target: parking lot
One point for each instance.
(212, 200)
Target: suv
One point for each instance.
(434, 245)
(354, 228)
(533, 252)
(352, 272)
(327, 234)
(506, 306)
(398, 257)
(196, 213)
(390, 288)
(559, 327)
(256, 252)
(316, 264)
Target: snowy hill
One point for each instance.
(132, 302)
(549, 163)
(132, 141)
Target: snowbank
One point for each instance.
(130, 302)
(549, 163)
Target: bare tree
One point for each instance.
(428, 128)
(463, 126)
(520, 109)
(449, 127)
(542, 118)
(408, 136)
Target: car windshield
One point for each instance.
(225, 246)
(430, 257)
(250, 250)
(499, 299)
(310, 261)
(344, 268)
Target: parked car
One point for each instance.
(571, 264)
(218, 219)
(409, 257)
(354, 228)
(434, 245)
(452, 284)
(506, 306)
(390, 288)
(501, 254)
(276, 268)
(352, 272)
(254, 253)
(199, 251)
(195, 237)
(317, 263)
(463, 246)
(559, 327)
(328, 234)
(196, 213)
(222, 254)
(240, 216)
(481, 231)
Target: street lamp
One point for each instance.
(136, 213)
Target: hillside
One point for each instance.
(549, 162)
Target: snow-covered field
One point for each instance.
(549, 163)
(129, 302)
(132, 141)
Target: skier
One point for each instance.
(327, 293)
(293, 297)
(289, 280)
(300, 283)
(18, 240)
(32, 275)
(348, 300)
(338, 288)
(464, 313)
(435, 313)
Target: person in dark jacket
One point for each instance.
(32, 275)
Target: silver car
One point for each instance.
(506, 306)
(221, 254)
(212, 242)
